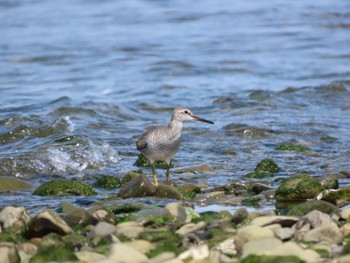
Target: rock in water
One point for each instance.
(138, 187)
(48, 221)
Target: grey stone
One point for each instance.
(8, 253)
(10, 216)
(129, 229)
(317, 218)
(102, 229)
(251, 233)
(191, 227)
(329, 232)
(48, 221)
(284, 233)
(126, 254)
(138, 187)
(177, 211)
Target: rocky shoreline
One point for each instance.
(310, 222)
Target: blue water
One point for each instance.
(80, 80)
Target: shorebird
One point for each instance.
(161, 143)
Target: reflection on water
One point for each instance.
(78, 85)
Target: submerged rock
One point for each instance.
(107, 182)
(47, 221)
(171, 192)
(138, 187)
(304, 208)
(64, 187)
(267, 165)
(334, 196)
(292, 147)
(300, 187)
(13, 184)
(330, 182)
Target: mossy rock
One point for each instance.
(167, 191)
(251, 201)
(271, 259)
(63, 187)
(300, 187)
(208, 217)
(122, 209)
(13, 184)
(330, 182)
(107, 182)
(165, 246)
(304, 208)
(54, 254)
(259, 175)
(129, 176)
(292, 147)
(142, 161)
(333, 196)
(13, 234)
(267, 166)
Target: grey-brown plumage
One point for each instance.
(161, 143)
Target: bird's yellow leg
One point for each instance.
(154, 175)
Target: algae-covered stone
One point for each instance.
(333, 196)
(107, 182)
(267, 166)
(138, 187)
(142, 161)
(129, 176)
(292, 147)
(304, 208)
(299, 187)
(54, 254)
(63, 187)
(260, 175)
(47, 221)
(167, 191)
(330, 182)
(13, 184)
(271, 259)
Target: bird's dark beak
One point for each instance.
(201, 119)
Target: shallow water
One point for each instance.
(80, 80)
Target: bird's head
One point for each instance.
(184, 114)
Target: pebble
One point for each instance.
(126, 254)
(129, 229)
(102, 229)
(191, 227)
(329, 232)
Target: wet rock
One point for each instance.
(259, 188)
(191, 227)
(299, 187)
(103, 215)
(330, 182)
(129, 176)
(240, 215)
(107, 182)
(139, 187)
(251, 233)
(190, 188)
(10, 216)
(66, 207)
(9, 253)
(177, 211)
(13, 184)
(234, 188)
(102, 229)
(284, 221)
(78, 216)
(235, 129)
(292, 147)
(129, 229)
(123, 253)
(267, 166)
(171, 192)
(202, 168)
(63, 187)
(90, 257)
(308, 206)
(334, 196)
(329, 232)
(48, 221)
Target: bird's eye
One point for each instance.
(186, 112)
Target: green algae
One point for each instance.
(259, 175)
(64, 187)
(333, 196)
(107, 182)
(271, 259)
(304, 208)
(13, 234)
(54, 254)
(208, 217)
(165, 246)
(267, 166)
(300, 187)
(292, 147)
(142, 161)
(172, 192)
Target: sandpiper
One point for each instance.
(161, 143)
